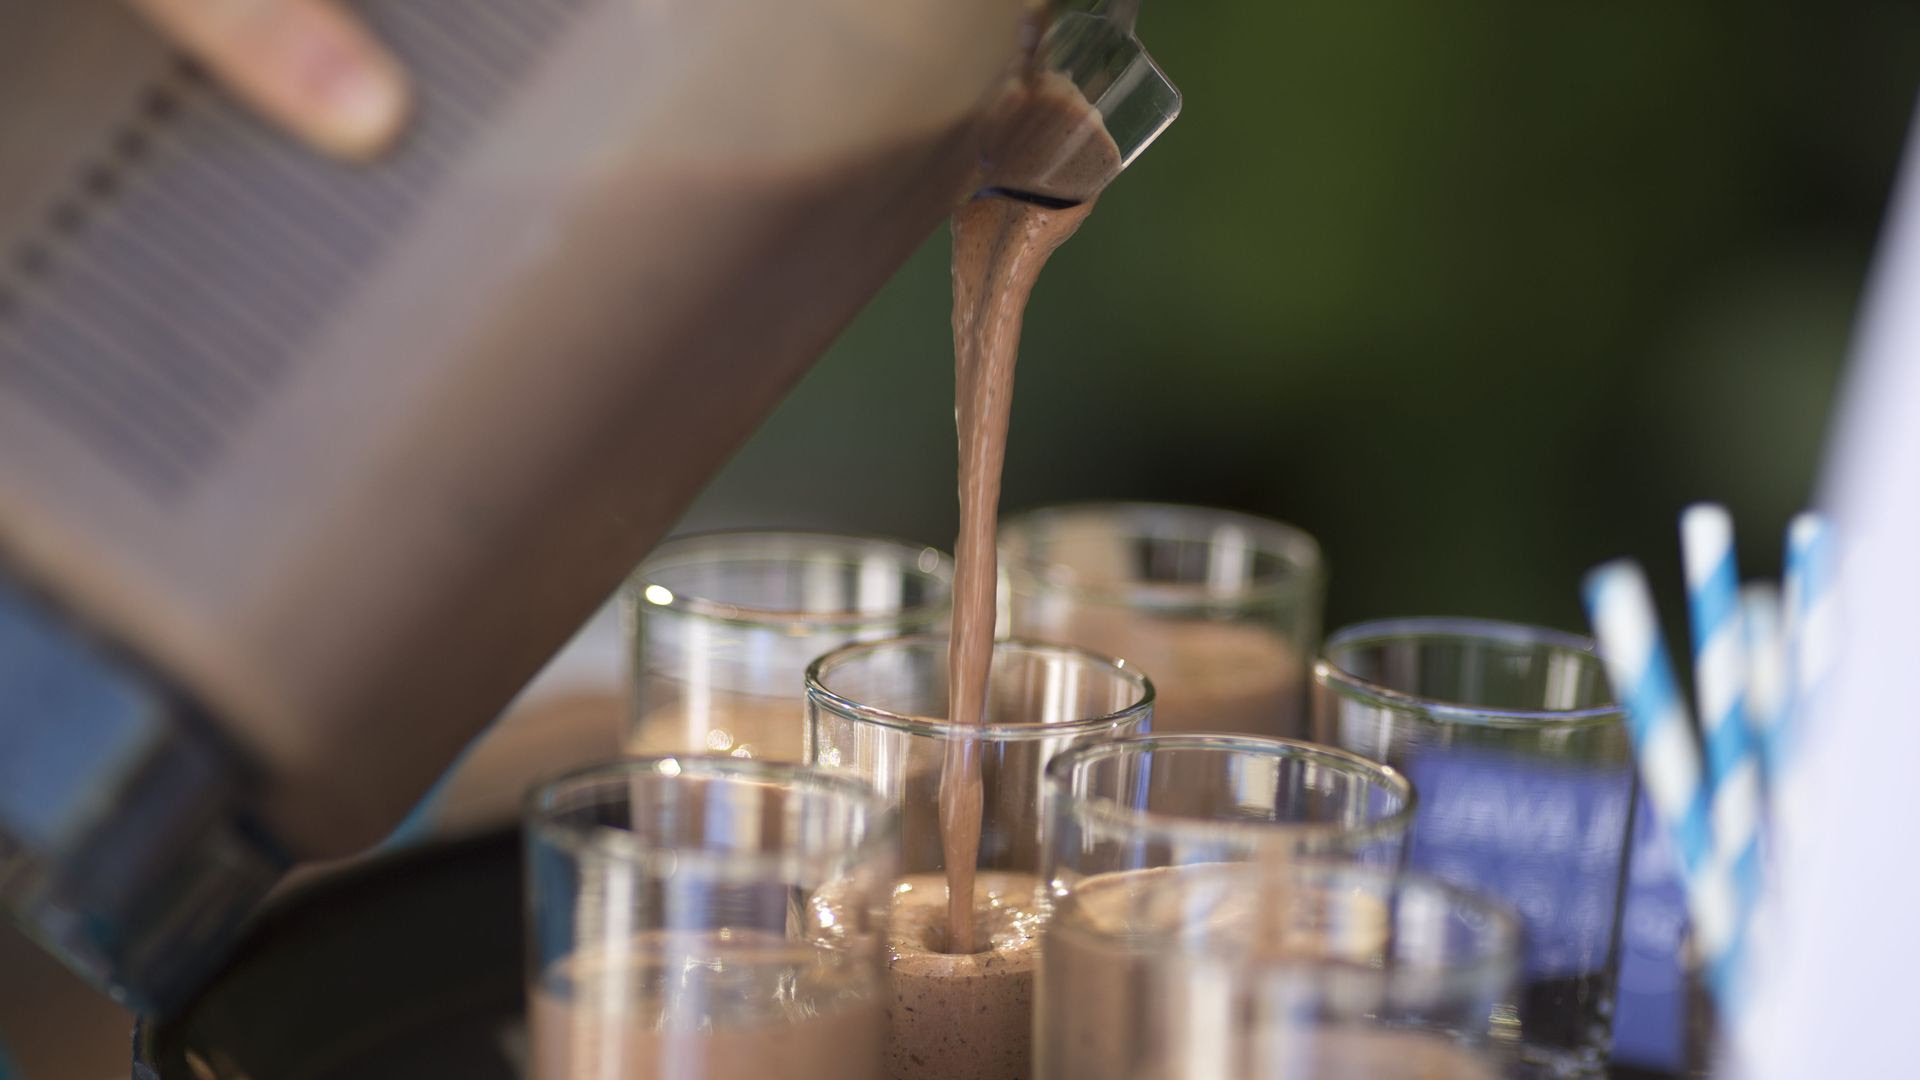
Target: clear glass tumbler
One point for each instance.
(1526, 782)
(1288, 971)
(1147, 801)
(1221, 609)
(702, 918)
(877, 712)
(721, 628)
(1127, 813)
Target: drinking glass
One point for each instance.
(878, 712)
(1132, 811)
(1221, 609)
(1145, 801)
(1526, 782)
(721, 627)
(707, 917)
(1284, 971)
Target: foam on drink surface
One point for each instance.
(962, 1016)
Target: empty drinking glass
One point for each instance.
(1526, 783)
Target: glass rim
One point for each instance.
(878, 838)
(1462, 629)
(818, 693)
(1500, 932)
(1293, 546)
(1110, 813)
(697, 548)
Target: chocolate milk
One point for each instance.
(1128, 993)
(1225, 654)
(954, 1015)
(726, 1005)
(1049, 161)
(737, 725)
(1333, 1053)
(1207, 676)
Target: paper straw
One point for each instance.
(1812, 613)
(1719, 645)
(1766, 704)
(1620, 606)
(1720, 674)
(1762, 620)
(1810, 618)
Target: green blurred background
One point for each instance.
(1480, 295)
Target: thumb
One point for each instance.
(306, 64)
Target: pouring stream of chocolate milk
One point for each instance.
(1048, 165)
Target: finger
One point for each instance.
(304, 63)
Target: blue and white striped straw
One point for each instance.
(1620, 606)
(1810, 614)
(1720, 677)
(1812, 621)
(1766, 706)
(1719, 645)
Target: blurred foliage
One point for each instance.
(1480, 294)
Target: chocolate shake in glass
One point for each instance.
(710, 918)
(1229, 907)
(1238, 971)
(1221, 608)
(721, 626)
(877, 712)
